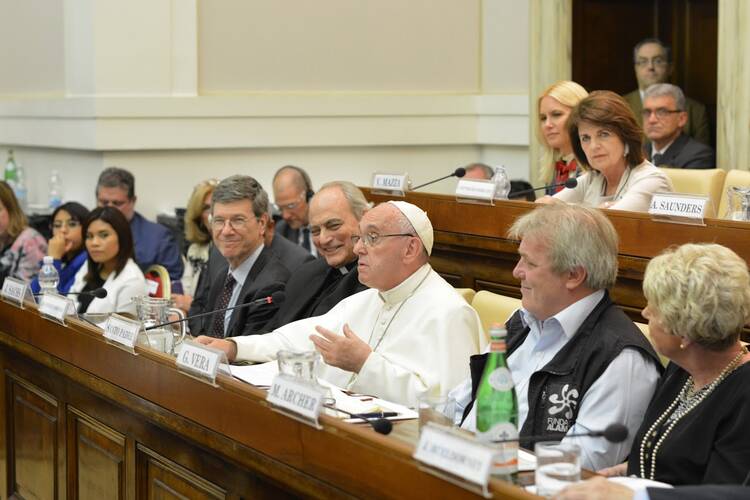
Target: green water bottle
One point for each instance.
(11, 170)
(497, 406)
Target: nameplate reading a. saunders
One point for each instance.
(680, 207)
(475, 190)
(296, 396)
(15, 291)
(122, 330)
(56, 306)
(391, 184)
(199, 359)
(458, 456)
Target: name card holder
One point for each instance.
(297, 399)
(55, 307)
(16, 292)
(390, 184)
(456, 457)
(122, 332)
(200, 362)
(476, 191)
(679, 208)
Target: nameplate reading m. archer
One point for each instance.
(394, 184)
(199, 359)
(121, 330)
(475, 190)
(296, 396)
(459, 456)
(14, 291)
(678, 205)
(56, 306)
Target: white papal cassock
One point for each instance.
(421, 333)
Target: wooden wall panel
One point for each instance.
(162, 479)
(96, 459)
(34, 441)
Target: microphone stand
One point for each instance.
(380, 425)
(266, 300)
(459, 172)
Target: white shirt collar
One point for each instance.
(570, 318)
(660, 151)
(240, 272)
(401, 291)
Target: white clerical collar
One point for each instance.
(407, 287)
(240, 272)
(572, 317)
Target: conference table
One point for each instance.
(83, 418)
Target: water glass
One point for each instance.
(300, 365)
(438, 409)
(558, 465)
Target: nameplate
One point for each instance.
(56, 307)
(475, 191)
(390, 184)
(200, 360)
(690, 209)
(296, 396)
(153, 286)
(122, 331)
(447, 451)
(15, 291)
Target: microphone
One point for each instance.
(459, 172)
(614, 433)
(98, 293)
(570, 184)
(275, 298)
(380, 425)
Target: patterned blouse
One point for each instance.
(23, 258)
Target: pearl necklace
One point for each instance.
(688, 404)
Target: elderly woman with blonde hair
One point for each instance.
(695, 429)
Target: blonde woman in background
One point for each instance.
(199, 236)
(558, 162)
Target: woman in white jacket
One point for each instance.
(110, 265)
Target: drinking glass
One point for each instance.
(557, 465)
(438, 409)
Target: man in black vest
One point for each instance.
(317, 286)
(577, 361)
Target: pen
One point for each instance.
(378, 414)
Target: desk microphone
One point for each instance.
(98, 293)
(614, 433)
(380, 425)
(570, 184)
(275, 298)
(459, 172)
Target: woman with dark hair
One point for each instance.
(66, 245)
(607, 143)
(21, 247)
(110, 264)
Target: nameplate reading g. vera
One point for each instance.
(456, 455)
(14, 290)
(296, 396)
(122, 330)
(199, 359)
(56, 306)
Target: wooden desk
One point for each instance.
(85, 419)
(471, 249)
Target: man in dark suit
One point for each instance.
(653, 64)
(249, 270)
(664, 117)
(317, 286)
(292, 191)
(291, 255)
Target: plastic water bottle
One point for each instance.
(11, 171)
(502, 183)
(55, 190)
(20, 188)
(48, 276)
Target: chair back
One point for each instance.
(733, 178)
(494, 308)
(466, 293)
(704, 181)
(158, 281)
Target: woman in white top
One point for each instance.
(608, 144)
(110, 264)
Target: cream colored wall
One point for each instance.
(209, 88)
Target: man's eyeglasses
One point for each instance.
(372, 239)
(289, 206)
(656, 61)
(659, 112)
(70, 224)
(236, 223)
(113, 203)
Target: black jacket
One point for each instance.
(685, 152)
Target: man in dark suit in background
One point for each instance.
(292, 191)
(291, 255)
(249, 271)
(653, 64)
(317, 286)
(664, 117)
